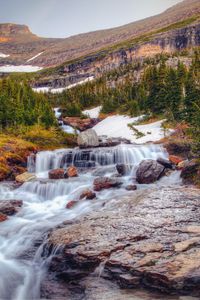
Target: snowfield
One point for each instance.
(2, 55)
(22, 68)
(32, 58)
(117, 126)
(60, 90)
(93, 113)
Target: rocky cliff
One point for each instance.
(95, 65)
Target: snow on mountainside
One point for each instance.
(22, 68)
(34, 57)
(2, 55)
(118, 126)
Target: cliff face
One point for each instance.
(95, 65)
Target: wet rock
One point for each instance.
(123, 169)
(179, 149)
(190, 172)
(101, 183)
(175, 159)
(88, 195)
(165, 162)
(10, 207)
(72, 172)
(71, 204)
(149, 171)
(3, 217)
(131, 187)
(25, 177)
(58, 174)
(150, 239)
(88, 138)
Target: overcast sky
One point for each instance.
(62, 18)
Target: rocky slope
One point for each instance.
(18, 42)
(149, 239)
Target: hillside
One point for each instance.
(21, 45)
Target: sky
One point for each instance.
(63, 18)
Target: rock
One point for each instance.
(80, 123)
(71, 204)
(88, 138)
(179, 148)
(149, 171)
(101, 183)
(58, 174)
(131, 187)
(182, 164)
(175, 159)
(123, 169)
(190, 172)
(10, 207)
(25, 177)
(72, 172)
(144, 240)
(165, 162)
(3, 217)
(88, 195)
(105, 141)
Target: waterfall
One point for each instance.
(122, 154)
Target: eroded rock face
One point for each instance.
(88, 138)
(101, 183)
(150, 239)
(149, 171)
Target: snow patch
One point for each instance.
(32, 58)
(60, 90)
(2, 55)
(117, 126)
(93, 113)
(22, 68)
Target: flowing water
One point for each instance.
(22, 265)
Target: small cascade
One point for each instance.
(122, 154)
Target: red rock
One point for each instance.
(87, 194)
(175, 159)
(101, 183)
(71, 204)
(79, 123)
(3, 217)
(57, 174)
(72, 172)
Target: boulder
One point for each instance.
(190, 172)
(88, 195)
(131, 187)
(165, 162)
(71, 204)
(10, 207)
(101, 183)
(72, 172)
(88, 138)
(3, 217)
(105, 141)
(123, 169)
(25, 177)
(58, 174)
(149, 171)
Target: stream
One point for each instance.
(22, 237)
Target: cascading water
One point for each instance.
(22, 266)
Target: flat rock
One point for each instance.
(25, 177)
(150, 239)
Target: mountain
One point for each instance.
(22, 45)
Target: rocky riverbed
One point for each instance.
(149, 239)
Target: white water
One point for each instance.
(65, 128)
(22, 265)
